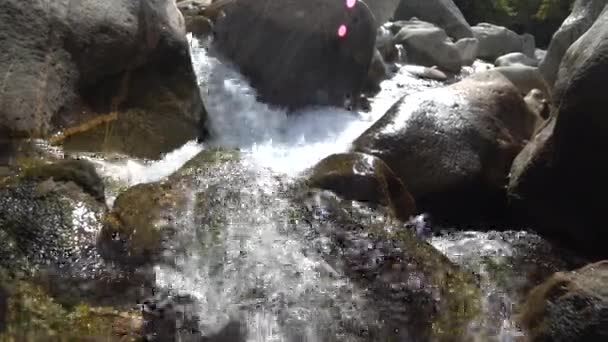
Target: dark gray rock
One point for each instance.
(453, 146)
(291, 52)
(558, 177)
(67, 63)
(496, 41)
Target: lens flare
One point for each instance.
(351, 3)
(342, 31)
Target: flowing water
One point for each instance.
(253, 270)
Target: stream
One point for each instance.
(257, 280)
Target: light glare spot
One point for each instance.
(342, 31)
(351, 3)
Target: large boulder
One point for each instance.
(365, 178)
(71, 66)
(443, 13)
(453, 146)
(584, 13)
(569, 306)
(557, 178)
(299, 53)
(495, 41)
(429, 45)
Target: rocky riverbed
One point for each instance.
(398, 181)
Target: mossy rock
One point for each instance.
(30, 314)
(134, 232)
(145, 216)
(135, 133)
(569, 306)
(46, 222)
(418, 293)
(363, 177)
(81, 172)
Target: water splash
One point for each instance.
(285, 143)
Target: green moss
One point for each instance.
(211, 156)
(144, 215)
(33, 315)
(458, 299)
(460, 295)
(136, 133)
(133, 232)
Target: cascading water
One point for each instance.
(240, 261)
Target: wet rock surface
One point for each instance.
(508, 264)
(139, 229)
(54, 283)
(364, 178)
(417, 292)
(48, 219)
(453, 143)
(569, 306)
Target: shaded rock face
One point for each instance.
(453, 146)
(495, 41)
(71, 65)
(365, 178)
(418, 294)
(443, 13)
(557, 178)
(291, 50)
(378, 72)
(584, 13)
(569, 306)
(538, 105)
(429, 45)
